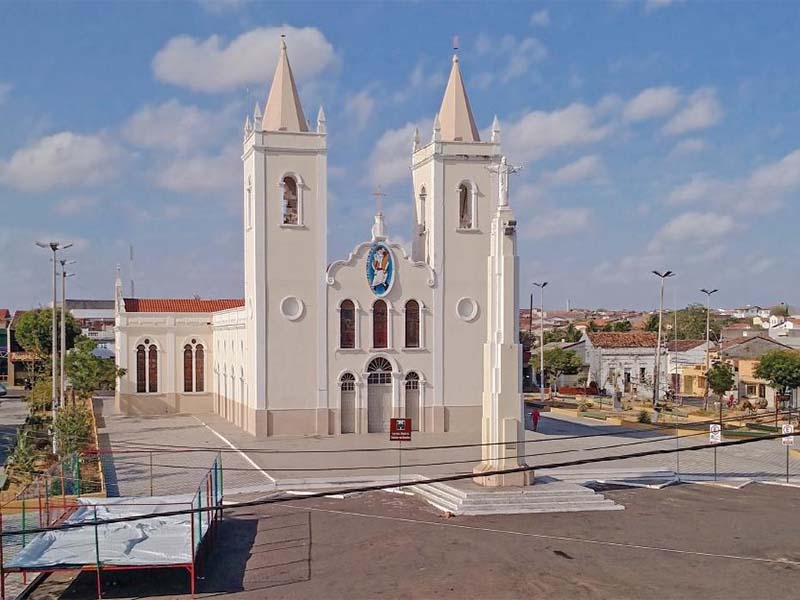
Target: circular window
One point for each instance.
(147, 341)
(467, 309)
(292, 308)
(194, 341)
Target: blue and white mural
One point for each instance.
(380, 269)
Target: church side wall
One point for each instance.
(231, 386)
(169, 332)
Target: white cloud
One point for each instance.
(702, 111)
(689, 146)
(212, 66)
(62, 159)
(5, 90)
(763, 190)
(650, 103)
(420, 79)
(203, 173)
(221, 6)
(390, 160)
(693, 228)
(75, 205)
(360, 107)
(557, 222)
(653, 5)
(539, 133)
(541, 18)
(175, 126)
(586, 167)
(516, 57)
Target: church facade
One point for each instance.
(327, 348)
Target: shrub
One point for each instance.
(73, 426)
(23, 459)
(644, 416)
(40, 398)
(583, 407)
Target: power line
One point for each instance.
(384, 486)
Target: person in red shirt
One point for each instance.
(535, 418)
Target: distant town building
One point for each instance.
(623, 361)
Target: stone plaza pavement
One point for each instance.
(181, 448)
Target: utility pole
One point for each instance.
(64, 275)
(657, 368)
(54, 247)
(708, 349)
(541, 287)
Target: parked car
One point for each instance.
(3, 390)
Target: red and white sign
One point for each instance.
(400, 430)
(715, 433)
(788, 430)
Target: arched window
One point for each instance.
(464, 207)
(380, 337)
(291, 203)
(348, 382)
(141, 373)
(380, 371)
(347, 324)
(193, 367)
(423, 196)
(199, 368)
(188, 383)
(412, 324)
(152, 368)
(412, 381)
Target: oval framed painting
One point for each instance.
(380, 269)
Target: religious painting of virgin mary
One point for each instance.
(380, 269)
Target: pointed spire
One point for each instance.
(437, 129)
(495, 131)
(457, 121)
(257, 115)
(415, 144)
(321, 121)
(248, 126)
(283, 112)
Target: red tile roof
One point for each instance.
(4, 314)
(185, 305)
(684, 345)
(627, 339)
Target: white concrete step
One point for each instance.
(545, 497)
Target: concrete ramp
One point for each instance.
(545, 496)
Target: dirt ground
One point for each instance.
(686, 541)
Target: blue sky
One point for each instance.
(653, 134)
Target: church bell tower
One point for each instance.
(285, 229)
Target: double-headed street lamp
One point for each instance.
(708, 348)
(541, 287)
(54, 247)
(657, 369)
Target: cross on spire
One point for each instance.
(379, 196)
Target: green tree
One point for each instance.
(622, 326)
(88, 373)
(558, 361)
(41, 397)
(781, 368)
(691, 323)
(73, 427)
(780, 311)
(34, 331)
(22, 460)
(720, 379)
(568, 334)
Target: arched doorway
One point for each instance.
(347, 386)
(379, 395)
(412, 399)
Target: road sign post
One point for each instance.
(400, 431)
(788, 442)
(715, 437)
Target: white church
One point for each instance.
(328, 348)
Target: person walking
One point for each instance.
(535, 418)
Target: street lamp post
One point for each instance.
(54, 247)
(64, 275)
(708, 349)
(657, 368)
(541, 287)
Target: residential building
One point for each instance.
(95, 318)
(5, 321)
(686, 365)
(744, 355)
(624, 362)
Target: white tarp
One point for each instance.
(154, 541)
